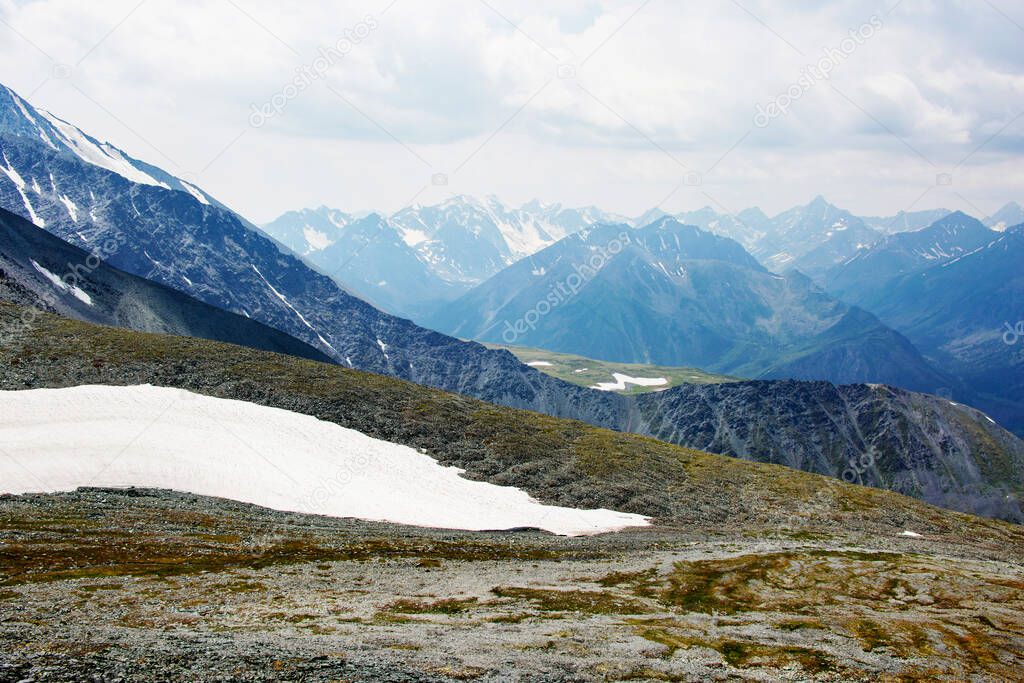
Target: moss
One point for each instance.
(447, 606)
(642, 583)
(585, 602)
(737, 653)
(800, 625)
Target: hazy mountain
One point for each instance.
(813, 238)
(906, 221)
(1010, 215)
(45, 273)
(671, 294)
(865, 277)
(966, 313)
(459, 243)
(371, 258)
(309, 230)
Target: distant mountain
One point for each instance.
(906, 221)
(45, 273)
(670, 294)
(866, 275)
(371, 257)
(458, 243)
(309, 230)
(813, 238)
(1010, 215)
(966, 313)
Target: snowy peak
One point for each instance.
(1007, 217)
(20, 119)
(309, 230)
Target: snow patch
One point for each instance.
(316, 239)
(195, 192)
(910, 534)
(105, 155)
(59, 283)
(70, 206)
(621, 382)
(61, 439)
(540, 364)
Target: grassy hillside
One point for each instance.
(558, 461)
(587, 372)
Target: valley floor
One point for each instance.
(146, 586)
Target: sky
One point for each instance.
(881, 106)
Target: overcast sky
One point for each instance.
(621, 104)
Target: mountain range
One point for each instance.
(166, 234)
(956, 290)
(446, 249)
(672, 294)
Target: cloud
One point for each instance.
(583, 101)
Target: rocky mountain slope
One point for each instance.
(966, 313)
(44, 273)
(875, 435)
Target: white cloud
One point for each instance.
(174, 83)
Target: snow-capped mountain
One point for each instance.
(309, 230)
(813, 238)
(20, 119)
(458, 243)
(1007, 217)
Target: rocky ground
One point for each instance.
(156, 586)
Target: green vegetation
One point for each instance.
(448, 606)
(588, 372)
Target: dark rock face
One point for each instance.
(88, 289)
